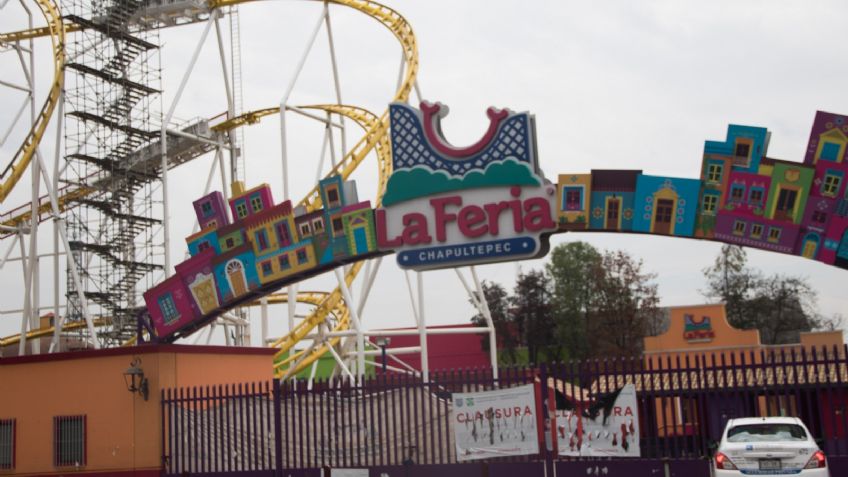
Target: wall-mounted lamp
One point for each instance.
(135, 380)
(383, 342)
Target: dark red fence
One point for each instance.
(398, 420)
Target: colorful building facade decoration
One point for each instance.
(262, 249)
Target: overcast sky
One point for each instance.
(613, 84)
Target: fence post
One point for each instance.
(278, 428)
(547, 452)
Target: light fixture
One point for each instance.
(383, 342)
(135, 380)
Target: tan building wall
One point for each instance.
(123, 431)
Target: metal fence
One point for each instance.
(395, 419)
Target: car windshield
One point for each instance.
(766, 433)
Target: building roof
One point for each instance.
(622, 180)
(280, 210)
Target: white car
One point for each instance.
(769, 446)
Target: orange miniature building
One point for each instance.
(48, 398)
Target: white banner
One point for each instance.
(607, 427)
(495, 423)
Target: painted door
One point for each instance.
(360, 238)
(810, 245)
(663, 215)
(613, 211)
(203, 289)
(842, 251)
(235, 274)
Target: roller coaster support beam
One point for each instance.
(55, 345)
(166, 227)
(478, 298)
(422, 330)
(354, 317)
(338, 88)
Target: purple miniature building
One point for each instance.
(244, 204)
(198, 275)
(211, 211)
(170, 306)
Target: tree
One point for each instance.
(624, 304)
(570, 269)
(533, 314)
(780, 306)
(498, 302)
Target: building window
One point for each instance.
(261, 239)
(830, 151)
(241, 209)
(206, 208)
(714, 173)
(819, 216)
(774, 234)
(168, 308)
(338, 226)
(318, 225)
(832, 180)
(737, 192)
(230, 243)
(739, 227)
(756, 231)
(69, 441)
(7, 443)
(284, 261)
(283, 236)
(785, 204)
(203, 245)
(842, 208)
(256, 203)
(301, 256)
(572, 198)
(743, 149)
(333, 197)
(755, 197)
(710, 204)
(304, 229)
(266, 268)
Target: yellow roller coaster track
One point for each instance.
(55, 28)
(376, 138)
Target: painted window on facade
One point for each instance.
(69, 441)
(283, 236)
(572, 198)
(737, 193)
(830, 186)
(739, 227)
(256, 202)
(842, 208)
(819, 217)
(168, 308)
(743, 149)
(755, 197)
(230, 242)
(338, 226)
(829, 151)
(206, 208)
(774, 234)
(203, 245)
(714, 172)
(333, 197)
(261, 239)
(266, 268)
(318, 225)
(785, 203)
(710, 204)
(7, 443)
(756, 231)
(301, 256)
(241, 209)
(305, 230)
(283, 261)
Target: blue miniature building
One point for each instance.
(666, 205)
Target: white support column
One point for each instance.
(291, 293)
(422, 330)
(264, 310)
(370, 275)
(27, 300)
(336, 81)
(354, 317)
(411, 296)
(493, 342)
(164, 139)
(55, 344)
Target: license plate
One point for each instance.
(769, 464)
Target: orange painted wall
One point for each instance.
(123, 431)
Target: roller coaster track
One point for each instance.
(376, 138)
(55, 28)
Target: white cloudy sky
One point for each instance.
(613, 84)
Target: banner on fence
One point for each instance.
(495, 423)
(606, 426)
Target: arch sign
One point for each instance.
(447, 206)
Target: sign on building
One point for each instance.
(495, 423)
(605, 427)
(446, 206)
